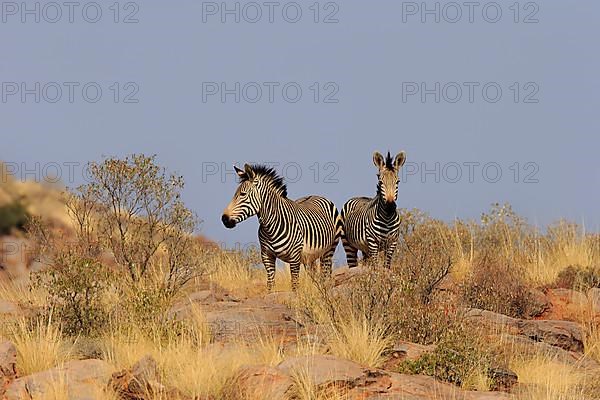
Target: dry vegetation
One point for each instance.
(108, 287)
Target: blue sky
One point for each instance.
(466, 100)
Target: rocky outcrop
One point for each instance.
(565, 304)
(8, 365)
(566, 335)
(563, 334)
(327, 373)
(142, 382)
(79, 380)
(230, 318)
(258, 383)
(403, 351)
(526, 347)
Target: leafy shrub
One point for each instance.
(457, 358)
(12, 216)
(134, 208)
(77, 288)
(133, 247)
(579, 278)
(424, 256)
(384, 300)
(500, 287)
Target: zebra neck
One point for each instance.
(384, 210)
(271, 209)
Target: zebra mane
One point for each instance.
(271, 176)
(389, 162)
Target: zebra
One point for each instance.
(372, 225)
(295, 231)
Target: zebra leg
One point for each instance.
(389, 253)
(326, 261)
(295, 272)
(269, 262)
(351, 253)
(372, 255)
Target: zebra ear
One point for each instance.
(378, 160)
(399, 160)
(249, 171)
(238, 171)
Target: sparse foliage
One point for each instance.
(133, 242)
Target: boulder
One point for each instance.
(8, 365)
(142, 382)
(527, 347)
(539, 303)
(563, 334)
(566, 335)
(321, 369)
(81, 380)
(419, 387)
(259, 383)
(9, 308)
(565, 304)
(343, 275)
(249, 319)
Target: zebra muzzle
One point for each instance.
(228, 222)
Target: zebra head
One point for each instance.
(387, 187)
(246, 200)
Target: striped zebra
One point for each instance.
(295, 231)
(371, 225)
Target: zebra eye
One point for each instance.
(243, 193)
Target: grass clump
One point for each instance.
(40, 344)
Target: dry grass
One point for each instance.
(234, 272)
(40, 344)
(564, 245)
(23, 295)
(57, 389)
(304, 388)
(243, 274)
(188, 362)
(360, 340)
(546, 378)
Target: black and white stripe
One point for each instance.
(371, 225)
(297, 232)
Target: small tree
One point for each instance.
(132, 233)
(135, 210)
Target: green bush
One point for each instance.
(12, 216)
(457, 358)
(78, 289)
(131, 253)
